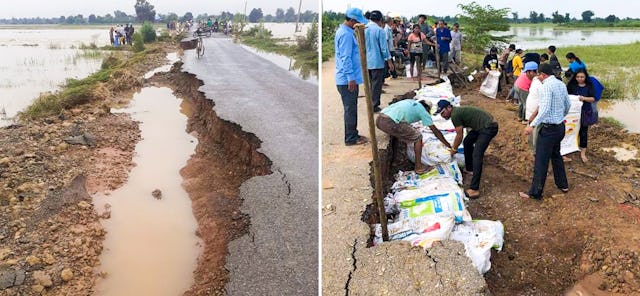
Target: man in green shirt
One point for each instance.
(395, 120)
(483, 129)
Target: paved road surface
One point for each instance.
(280, 254)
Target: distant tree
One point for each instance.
(515, 17)
(255, 15)
(533, 17)
(92, 18)
(587, 15)
(145, 11)
(268, 18)
(567, 18)
(171, 17)
(557, 18)
(280, 15)
(611, 18)
(187, 17)
(541, 18)
(62, 19)
(290, 15)
(479, 21)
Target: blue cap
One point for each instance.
(442, 104)
(530, 66)
(356, 14)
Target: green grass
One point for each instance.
(612, 121)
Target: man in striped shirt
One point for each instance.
(553, 106)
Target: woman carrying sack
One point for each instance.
(416, 41)
(582, 85)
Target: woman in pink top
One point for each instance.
(521, 87)
(416, 41)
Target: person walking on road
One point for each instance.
(553, 106)
(395, 120)
(349, 74)
(443, 37)
(456, 45)
(483, 130)
(377, 56)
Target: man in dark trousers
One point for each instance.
(443, 37)
(349, 74)
(377, 56)
(553, 106)
(483, 129)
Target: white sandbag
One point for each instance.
(420, 231)
(489, 86)
(569, 143)
(478, 237)
(408, 70)
(434, 196)
(433, 151)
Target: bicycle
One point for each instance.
(200, 47)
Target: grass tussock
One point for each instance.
(113, 76)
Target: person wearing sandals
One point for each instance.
(396, 121)
(581, 85)
(349, 74)
(483, 130)
(553, 106)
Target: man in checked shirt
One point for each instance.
(553, 107)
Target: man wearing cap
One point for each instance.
(483, 130)
(349, 74)
(377, 56)
(521, 88)
(395, 120)
(553, 106)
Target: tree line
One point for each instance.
(282, 16)
(586, 16)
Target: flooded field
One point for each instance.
(541, 37)
(40, 60)
(624, 111)
(285, 30)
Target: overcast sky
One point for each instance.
(56, 8)
(601, 8)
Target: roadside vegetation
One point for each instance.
(304, 50)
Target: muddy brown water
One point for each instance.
(151, 247)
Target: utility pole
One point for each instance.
(245, 11)
(299, 7)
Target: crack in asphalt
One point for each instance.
(286, 182)
(353, 256)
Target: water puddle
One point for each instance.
(172, 57)
(300, 70)
(151, 247)
(625, 111)
(625, 153)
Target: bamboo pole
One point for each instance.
(372, 132)
(419, 72)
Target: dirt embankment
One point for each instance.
(50, 235)
(225, 157)
(586, 242)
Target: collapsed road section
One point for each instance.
(277, 254)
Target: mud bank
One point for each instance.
(225, 158)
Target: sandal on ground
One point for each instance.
(564, 190)
(361, 141)
(527, 196)
(475, 196)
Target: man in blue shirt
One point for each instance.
(349, 74)
(443, 37)
(395, 120)
(377, 56)
(553, 106)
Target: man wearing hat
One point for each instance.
(377, 56)
(521, 87)
(349, 74)
(483, 130)
(553, 106)
(395, 120)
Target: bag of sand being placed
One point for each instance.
(478, 237)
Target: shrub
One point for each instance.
(138, 42)
(148, 32)
(164, 36)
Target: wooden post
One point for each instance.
(436, 51)
(298, 20)
(372, 132)
(419, 61)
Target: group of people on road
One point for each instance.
(532, 74)
(121, 35)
